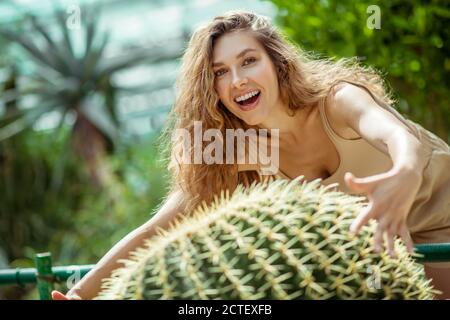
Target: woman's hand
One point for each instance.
(56, 295)
(391, 195)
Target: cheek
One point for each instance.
(220, 90)
(257, 75)
(271, 83)
(265, 77)
(269, 76)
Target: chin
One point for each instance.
(251, 118)
(253, 121)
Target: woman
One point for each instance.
(334, 121)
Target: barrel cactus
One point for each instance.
(277, 240)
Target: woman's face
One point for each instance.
(242, 68)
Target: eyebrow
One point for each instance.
(243, 52)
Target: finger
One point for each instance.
(404, 233)
(354, 183)
(378, 239)
(366, 214)
(394, 227)
(365, 184)
(56, 295)
(370, 179)
(390, 239)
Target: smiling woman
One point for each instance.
(335, 121)
(333, 117)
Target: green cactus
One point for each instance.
(277, 240)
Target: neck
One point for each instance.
(291, 127)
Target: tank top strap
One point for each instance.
(326, 124)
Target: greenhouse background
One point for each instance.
(85, 88)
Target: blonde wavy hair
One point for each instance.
(303, 80)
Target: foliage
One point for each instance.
(65, 80)
(411, 47)
(37, 215)
(72, 83)
(49, 202)
(74, 221)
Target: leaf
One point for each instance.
(136, 57)
(52, 49)
(97, 112)
(92, 58)
(61, 19)
(91, 27)
(29, 46)
(110, 102)
(139, 89)
(23, 122)
(10, 95)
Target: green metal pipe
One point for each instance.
(432, 252)
(22, 276)
(44, 276)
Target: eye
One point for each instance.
(249, 60)
(220, 72)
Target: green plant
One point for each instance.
(35, 217)
(73, 83)
(282, 240)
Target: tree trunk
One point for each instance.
(90, 144)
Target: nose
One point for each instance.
(238, 80)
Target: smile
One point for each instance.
(250, 103)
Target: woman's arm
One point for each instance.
(355, 108)
(392, 193)
(90, 285)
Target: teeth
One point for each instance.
(246, 96)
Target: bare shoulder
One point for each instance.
(340, 104)
(347, 94)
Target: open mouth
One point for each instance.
(250, 102)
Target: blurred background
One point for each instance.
(85, 87)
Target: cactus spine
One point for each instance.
(277, 240)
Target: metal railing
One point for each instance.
(45, 275)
